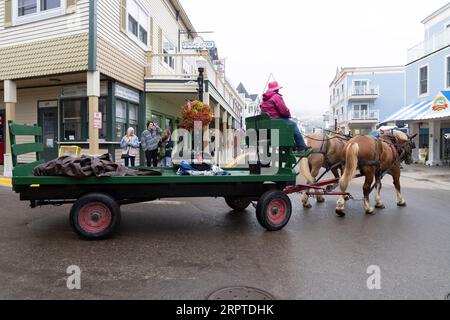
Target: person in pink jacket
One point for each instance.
(273, 104)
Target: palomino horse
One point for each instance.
(375, 158)
(328, 154)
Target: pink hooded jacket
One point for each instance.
(274, 105)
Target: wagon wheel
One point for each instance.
(238, 204)
(274, 210)
(95, 216)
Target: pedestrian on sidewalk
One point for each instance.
(150, 143)
(166, 149)
(130, 147)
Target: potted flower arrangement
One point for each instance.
(196, 111)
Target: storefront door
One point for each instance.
(48, 120)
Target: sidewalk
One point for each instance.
(439, 175)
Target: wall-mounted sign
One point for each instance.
(48, 104)
(198, 44)
(80, 90)
(440, 104)
(98, 120)
(127, 94)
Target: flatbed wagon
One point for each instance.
(96, 202)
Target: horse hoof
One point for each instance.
(402, 204)
(370, 212)
(341, 214)
(307, 206)
(320, 200)
(380, 206)
(347, 198)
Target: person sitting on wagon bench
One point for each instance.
(273, 104)
(150, 143)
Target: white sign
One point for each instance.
(80, 90)
(127, 94)
(198, 44)
(48, 104)
(98, 120)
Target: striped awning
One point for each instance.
(413, 112)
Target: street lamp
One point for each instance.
(201, 65)
(200, 81)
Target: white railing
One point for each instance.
(362, 91)
(185, 66)
(365, 115)
(437, 41)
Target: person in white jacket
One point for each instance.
(130, 148)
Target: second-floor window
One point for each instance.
(138, 22)
(168, 50)
(423, 80)
(27, 7)
(360, 111)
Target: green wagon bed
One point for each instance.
(96, 202)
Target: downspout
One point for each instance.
(92, 51)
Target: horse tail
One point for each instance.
(305, 170)
(351, 165)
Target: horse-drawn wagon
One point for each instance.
(96, 202)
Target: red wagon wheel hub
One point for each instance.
(95, 217)
(277, 211)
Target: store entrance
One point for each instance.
(2, 135)
(48, 121)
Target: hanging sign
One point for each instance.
(440, 104)
(198, 44)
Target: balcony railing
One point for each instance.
(184, 66)
(438, 41)
(364, 91)
(364, 115)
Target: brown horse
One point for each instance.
(328, 154)
(375, 158)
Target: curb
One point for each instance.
(5, 182)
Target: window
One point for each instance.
(31, 10)
(132, 26)
(168, 49)
(50, 4)
(360, 87)
(121, 119)
(423, 80)
(26, 7)
(360, 111)
(138, 23)
(72, 120)
(127, 114)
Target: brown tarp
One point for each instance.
(87, 166)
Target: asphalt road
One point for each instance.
(189, 248)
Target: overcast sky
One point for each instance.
(303, 42)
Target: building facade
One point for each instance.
(65, 62)
(360, 97)
(426, 89)
(251, 103)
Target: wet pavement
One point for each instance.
(190, 248)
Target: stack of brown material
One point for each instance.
(87, 166)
